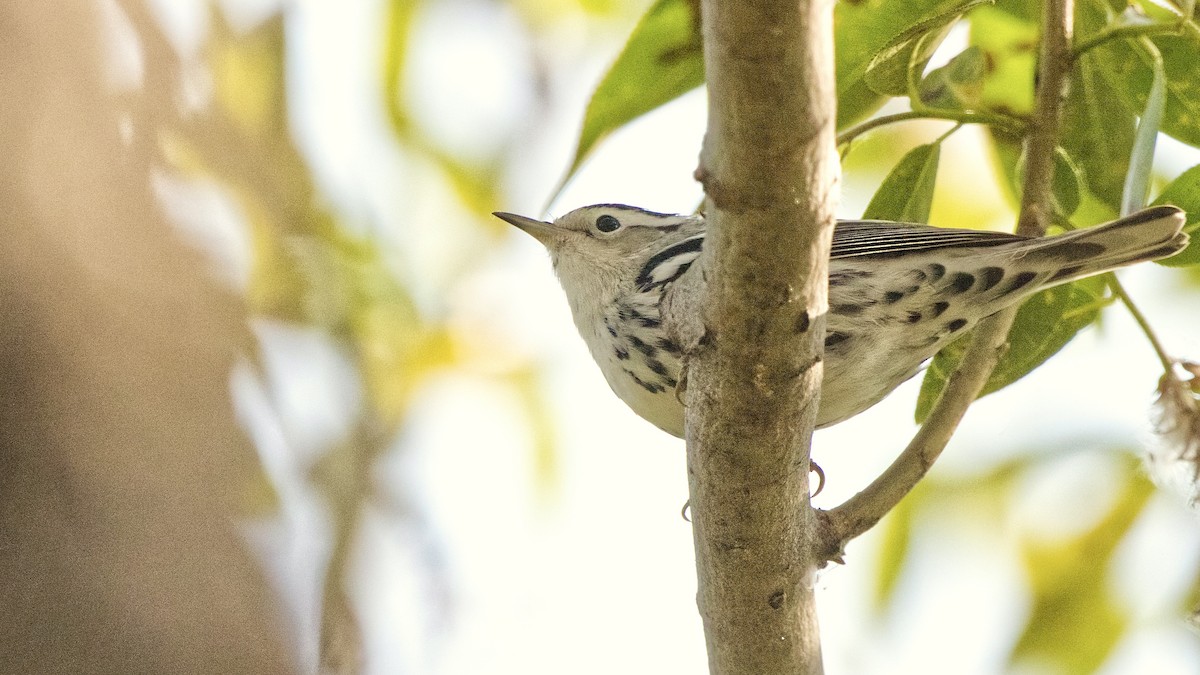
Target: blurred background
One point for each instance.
(279, 394)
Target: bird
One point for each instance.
(898, 292)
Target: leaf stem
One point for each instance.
(949, 133)
(1125, 32)
(1005, 122)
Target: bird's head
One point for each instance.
(600, 248)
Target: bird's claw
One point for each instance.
(816, 468)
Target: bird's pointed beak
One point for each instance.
(538, 229)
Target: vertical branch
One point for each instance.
(769, 171)
(859, 513)
(1055, 62)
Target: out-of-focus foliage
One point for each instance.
(313, 268)
(308, 269)
(475, 182)
(984, 496)
(1073, 600)
(896, 540)
(1076, 617)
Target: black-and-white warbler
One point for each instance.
(898, 292)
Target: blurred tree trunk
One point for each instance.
(118, 444)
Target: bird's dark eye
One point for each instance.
(607, 223)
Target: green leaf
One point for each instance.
(862, 30)
(662, 60)
(1141, 162)
(1065, 185)
(887, 71)
(896, 541)
(1006, 156)
(1184, 192)
(1025, 10)
(1181, 118)
(535, 407)
(1075, 621)
(1130, 70)
(907, 193)
(958, 84)
(1099, 131)
(1045, 323)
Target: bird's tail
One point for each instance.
(1149, 234)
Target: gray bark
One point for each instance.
(769, 171)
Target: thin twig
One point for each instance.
(1126, 32)
(1008, 123)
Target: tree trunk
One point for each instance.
(770, 171)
